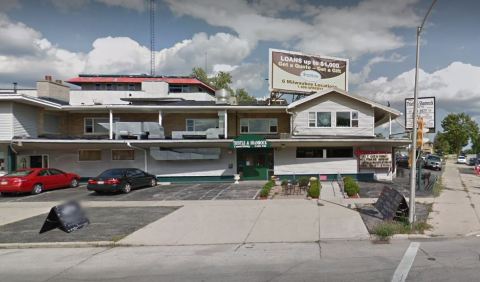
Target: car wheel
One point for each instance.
(74, 183)
(127, 188)
(153, 182)
(37, 189)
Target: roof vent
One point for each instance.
(221, 96)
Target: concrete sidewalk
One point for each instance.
(456, 210)
(252, 222)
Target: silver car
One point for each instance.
(433, 162)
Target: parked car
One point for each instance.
(121, 180)
(472, 161)
(36, 180)
(433, 162)
(461, 160)
(402, 161)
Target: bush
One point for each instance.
(303, 181)
(351, 186)
(266, 189)
(284, 182)
(314, 190)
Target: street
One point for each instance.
(436, 260)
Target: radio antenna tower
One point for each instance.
(152, 37)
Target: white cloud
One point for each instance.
(367, 27)
(67, 5)
(455, 87)
(250, 76)
(362, 76)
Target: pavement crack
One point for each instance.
(253, 225)
(77, 264)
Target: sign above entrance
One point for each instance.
(375, 160)
(250, 141)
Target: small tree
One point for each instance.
(314, 190)
(351, 186)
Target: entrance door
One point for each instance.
(36, 161)
(254, 164)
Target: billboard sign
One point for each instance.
(425, 109)
(293, 72)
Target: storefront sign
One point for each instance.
(297, 72)
(375, 160)
(250, 141)
(425, 109)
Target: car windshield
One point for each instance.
(20, 173)
(461, 157)
(112, 173)
(434, 158)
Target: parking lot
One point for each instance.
(174, 192)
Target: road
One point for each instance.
(435, 260)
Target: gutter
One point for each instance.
(144, 153)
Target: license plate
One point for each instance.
(4, 183)
(100, 182)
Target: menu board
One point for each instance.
(383, 160)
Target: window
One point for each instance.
(56, 171)
(97, 86)
(343, 119)
(309, 152)
(109, 86)
(97, 125)
(354, 119)
(341, 152)
(123, 155)
(312, 120)
(44, 173)
(131, 87)
(201, 124)
(89, 155)
(324, 119)
(260, 125)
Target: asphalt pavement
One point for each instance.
(173, 192)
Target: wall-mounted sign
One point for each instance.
(425, 109)
(250, 141)
(301, 73)
(375, 160)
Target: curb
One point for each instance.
(94, 244)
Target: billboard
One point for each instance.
(293, 72)
(425, 109)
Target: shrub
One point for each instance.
(314, 190)
(351, 186)
(284, 182)
(266, 189)
(303, 181)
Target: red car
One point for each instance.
(36, 180)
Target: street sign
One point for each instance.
(425, 110)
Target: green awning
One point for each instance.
(250, 141)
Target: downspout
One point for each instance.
(145, 154)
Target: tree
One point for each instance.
(243, 96)
(440, 143)
(459, 129)
(222, 80)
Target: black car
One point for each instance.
(472, 161)
(121, 180)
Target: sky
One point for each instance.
(65, 37)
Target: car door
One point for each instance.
(133, 178)
(144, 178)
(59, 178)
(45, 179)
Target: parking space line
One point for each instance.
(406, 263)
(220, 193)
(177, 193)
(206, 193)
(256, 194)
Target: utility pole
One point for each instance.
(152, 37)
(413, 169)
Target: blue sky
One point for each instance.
(64, 38)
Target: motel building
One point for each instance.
(181, 129)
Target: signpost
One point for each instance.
(425, 109)
(294, 72)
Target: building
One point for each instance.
(180, 129)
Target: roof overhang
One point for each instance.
(29, 100)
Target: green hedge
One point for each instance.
(351, 186)
(266, 189)
(314, 190)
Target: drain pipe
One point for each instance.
(145, 154)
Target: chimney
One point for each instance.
(14, 87)
(58, 81)
(48, 78)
